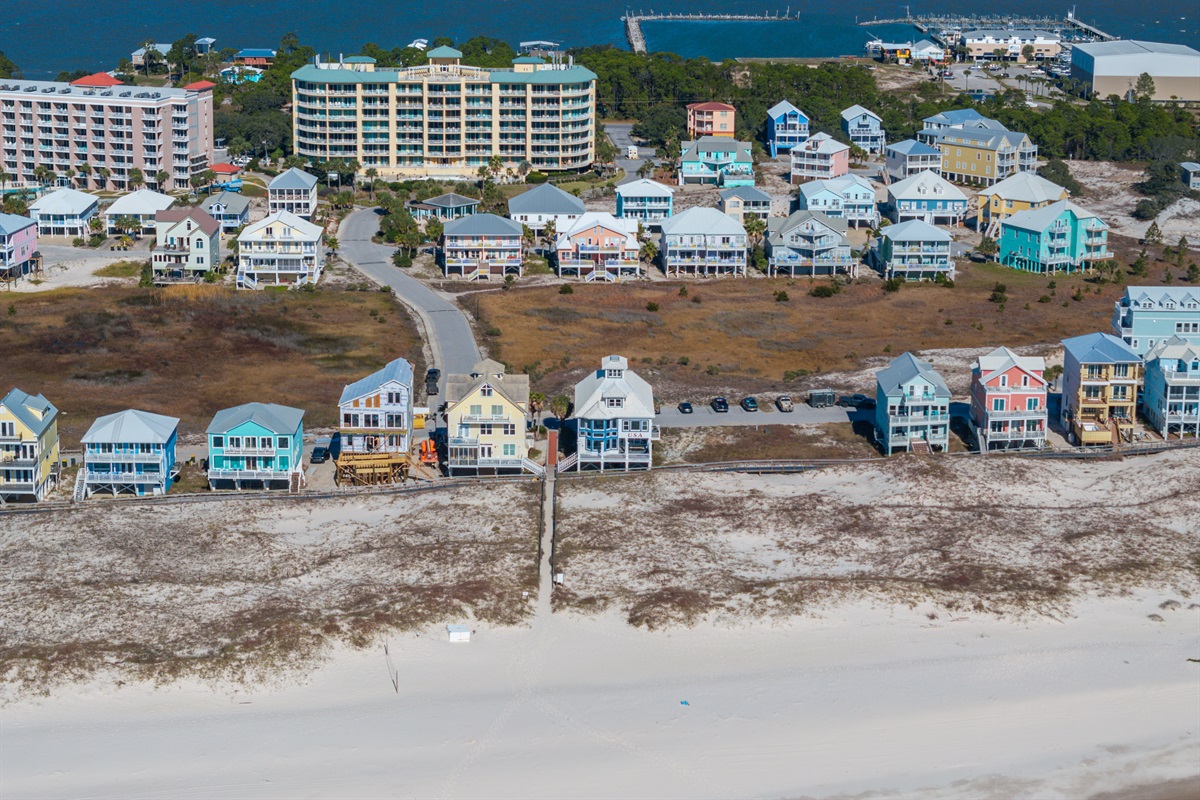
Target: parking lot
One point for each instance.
(703, 415)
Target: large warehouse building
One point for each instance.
(1113, 68)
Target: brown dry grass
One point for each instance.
(750, 340)
(189, 351)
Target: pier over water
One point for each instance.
(924, 22)
(637, 39)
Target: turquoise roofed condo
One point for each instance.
(256, 446)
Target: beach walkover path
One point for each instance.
(447, 330)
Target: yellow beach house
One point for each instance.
(28, 446)
(1016, 193)
(485, 422)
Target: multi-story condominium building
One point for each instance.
(293, 191)
(1146, 316)
(1171, 398)
(141, 206)
(485, 421)
(111, 129)
(1008, 401)
(864, 129)
(1108, 68)
(926, 196)
(444, 207)
(818, 158)
(256, 445)
(187, 245)
(710, 119)
(745, 202)
(956, 119)
(1060, 237)
(982, 45)
(809, 243)
(787, 127)
(1099, 388)
(850, 197)
(65, 212)
(376, 415)
(230, 209)
(614, 416)
(544, 204)
(281, 249)
(913, 250)
(446, 119)
(1190, 172)
(18, 244)
(716, 160)
(28, 446)
(599, 247)
(910, 157)
(703, 242)
(978, 155)
(1014, 194)
(912, 407)
(482, 247)
(649, 202)
(130, 452)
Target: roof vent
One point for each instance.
(126, 94)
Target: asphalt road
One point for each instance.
(451, 339)
(704, 417)
(618, 132)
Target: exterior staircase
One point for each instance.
(80, 486)
(532, 467)
(568, 462)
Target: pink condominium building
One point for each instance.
(100, 130)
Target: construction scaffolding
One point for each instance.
(371, 469)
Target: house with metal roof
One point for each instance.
(864, 129)
(1060, 237)
(1171, 397)
(983, 155)
(486, 413)
(599, 247)
(1108, 68)
(293, 191)
(1190, 172)
(745, 202)
(544, 204)
(230, 209)
(256, 446)
(809, 243)
(282, 249)
(912, 407)
(482, 247)
(1146, 316)
(187, 245)
(913, 250)
(649, 202)
(255, 57)
(65, 212)
(849, 197)
(716, 160)
(1014, 194)
(787, 127)
(444, 207)
(820, 157)
(375, 432)
(141, 206)
(910, 157)
(1099, 389)
(926, 196)
(986, 44)
(130, 452)
(928, 52)
(18, 245)
(1008, 401)
(711, 119)
(614, 420)
(29, 465)
(703, 242)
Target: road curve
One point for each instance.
(451, 340)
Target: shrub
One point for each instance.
(683, 361)
(892, 285)
(794, 374)
(824, 290)
(566, 288)
(402, 259)
(491, 330)
(509, 280)
(781, 296)
(712, 369)
(696, 299)
(652, 306)
(78, 242)
(536, 177)
(534, 453)
(1044, 298)
(683, 292)
(1078, 296)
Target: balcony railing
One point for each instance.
(249, 451)
(124, 458)
(251, 474)
(485, 418)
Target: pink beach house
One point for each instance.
(1008, 401)
(18, 243)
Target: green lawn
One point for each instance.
(120, 269)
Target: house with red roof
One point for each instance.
(710, 119)
(100, 80)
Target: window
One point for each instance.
(614, 402)
(998, 404)
(1003, 381)
(235, 442)
(508, 429)
(510, 449)
(1031, 404)
(217, 441)
(1024, 380)
(284, 443)
(8, 429)
(485, 391)
(485, 429)
(476, 411)
(497, 411)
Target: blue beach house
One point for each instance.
(912, 407)
(130, 452)
(256, 445)
(1149, 315)
(787, 126)
(1061, 237)
(716, 160)
(1171, 399)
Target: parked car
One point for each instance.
(784, 403)
(749, 404)
(685, 408)
(857, 401)
(720, 405)
(433, 375)
(319, 455)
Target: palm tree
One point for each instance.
(208, 177)
(560, 406)
(103, 173)
(136, 178)
(550, 233)
(44, 174)
(332, 243)
(649, 251)
(129, 225)
(4, 179)
(495, 164)
(85, 171)
(523, 169)
(371, 174)
(124, 241)
(536, 401)
(755, 228)
(528, 237)
(160, 178)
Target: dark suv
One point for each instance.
(720, 405)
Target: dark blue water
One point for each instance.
(45, 38)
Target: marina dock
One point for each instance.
(637, 39)
(927, 22)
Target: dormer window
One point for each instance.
(612, 373)
(614, 402)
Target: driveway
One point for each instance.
(619, 133)
(705, 417)
(451, 340)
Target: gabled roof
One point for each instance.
(982, 135)
(592, 390)
(514, 388)
(906, 368)
(779, 230)
(399, 371)
(706, 221)
(140, 427)
(545, 199)
(294, 178)
(274, 418)
(28, 408)
(784, 107)
(63, 201)
(925, 44)
(1038, 219)
(483, 225)
(926, 185)
(839, 186)
(955, 116)
(234, 203)
(141, 202)
(1027, 187)
(97, 80)
(196, 214)
(717, 144)
(225, 169)
(1190, 166)
(1002, 359)
(444, 52)
(821, 143)
(1157, 296)
(11, 223)
(1174, 349)
(857, 111)
(449, 200)
(1100, 348)
(711, 106)
(746, 193)
(200, 86)
(641, 188)
(626, 227)
(915, 230)
(911, 147)
(306, 229)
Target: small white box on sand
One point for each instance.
(459, 633)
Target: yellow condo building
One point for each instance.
(28, 446)
(1015, 194)
(485, 421)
